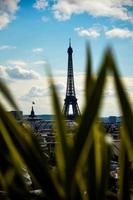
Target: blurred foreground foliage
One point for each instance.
(82, 163)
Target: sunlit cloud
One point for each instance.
(37, 50)
(40, 4)
(18, 73)
(87, 32)
(6, 47)
(119, 33)
(117, 9)
(8, 9)
(39, 92)
(34, 92)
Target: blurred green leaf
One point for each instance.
(124, 192)
(7, 94)
(90, 112)
(123, 99)
(31, 153)
(89, 78)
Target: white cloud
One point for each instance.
(64, 9)
(95, 32)
(119, 33)
(8, 47)
(38, 50)
(3, 73)
(87, 32)
(17, 62)
(34, 92)
(40, 62)
(8, 9)
(4, 20)
(17, 72)
(39, 92)
(40, 4)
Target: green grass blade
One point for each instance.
(31, 154)
(89, 79)
(105, 170)
(7, 94)
(98, 144)
(89, 115)
(91, 110)
(14, 182)
(59, 122)
(98, 165)
(124, 103)
(124, 192)
(81, 174)
(62, 146)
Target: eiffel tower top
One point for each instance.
(70, 50)
(69, 42)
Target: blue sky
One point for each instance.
(35, 33)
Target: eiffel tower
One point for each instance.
(70, 108)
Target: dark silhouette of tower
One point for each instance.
(71, 108)
(32, 114)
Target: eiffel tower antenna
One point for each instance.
(70, 108)
(69, 42)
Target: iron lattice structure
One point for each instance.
(70, 101)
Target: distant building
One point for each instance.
(18, 115)
(112, 119)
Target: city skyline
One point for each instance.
(34, 34)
